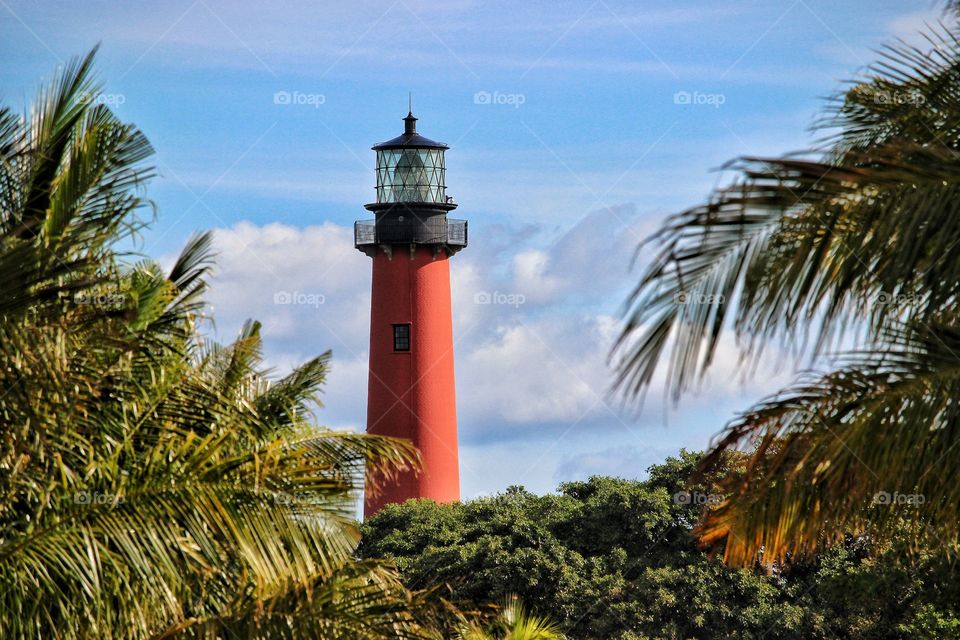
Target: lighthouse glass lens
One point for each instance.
(410, 175)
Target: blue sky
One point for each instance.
(575, 128)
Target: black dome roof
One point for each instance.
(410, 138)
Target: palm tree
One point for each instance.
(512, 623)
(850, 258)
(152, 484)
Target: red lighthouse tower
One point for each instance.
(411, 392)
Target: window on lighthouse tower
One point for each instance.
(401, 337)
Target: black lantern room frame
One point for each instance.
(412, 203)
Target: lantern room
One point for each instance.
(410, 168)
(412, 202)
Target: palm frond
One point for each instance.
(857, 242)
(513, 622)
(154, 484)
(821, 244)
(832, 454)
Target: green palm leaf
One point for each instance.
(155, 484)
(860, 245)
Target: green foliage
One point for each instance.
(512, 622)
(854, 243)
(152, 484)
(616, 559)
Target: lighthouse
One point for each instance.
(411, 390)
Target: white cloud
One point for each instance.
(547, 371)
(531, 269)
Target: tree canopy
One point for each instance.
(616, 559)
